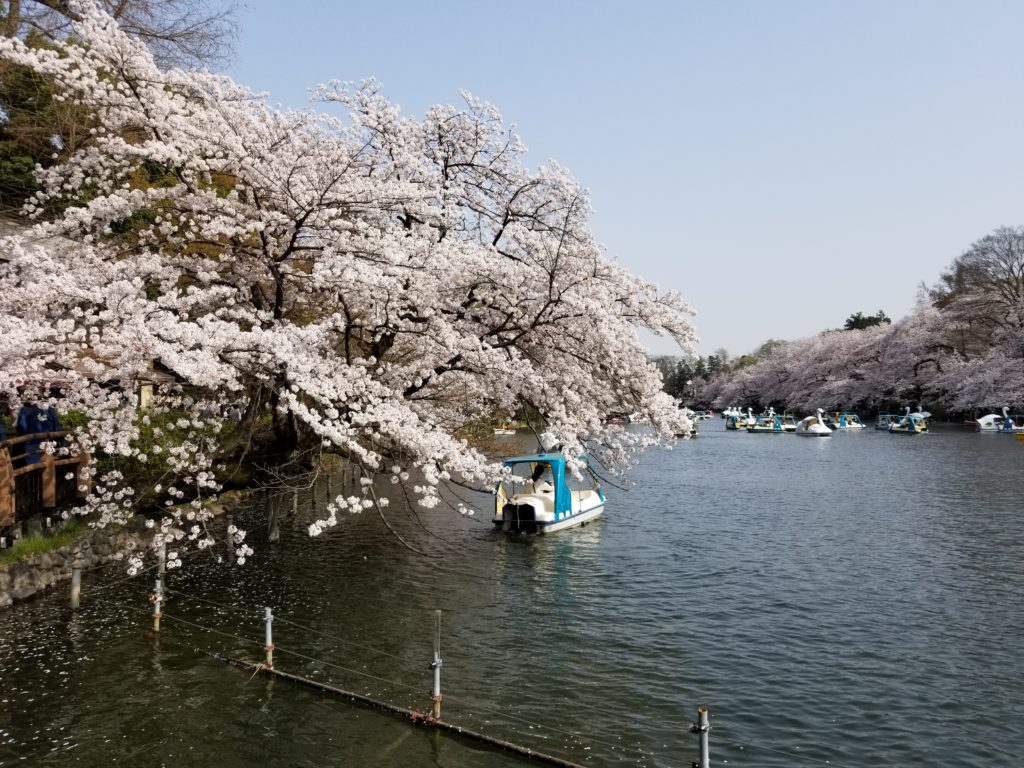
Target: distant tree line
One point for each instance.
(683, 377)
(960, 349)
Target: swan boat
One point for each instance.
(740, 420)
(540, 495)
(767, 423)
(846, 421)
(770, 425)
(813, 426)
(1007, 423)
(695, 419)
(885, 420)
(910, 423)
(504, 429)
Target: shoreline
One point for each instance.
(37, 574)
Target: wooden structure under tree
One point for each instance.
(30, 488)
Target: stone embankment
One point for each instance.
(26, 578)
(34, 575)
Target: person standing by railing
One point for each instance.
(34, 418)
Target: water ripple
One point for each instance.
(852, 600)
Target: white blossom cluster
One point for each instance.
(378, 279)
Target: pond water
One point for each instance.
(844, 601)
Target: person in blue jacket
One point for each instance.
(32, 419)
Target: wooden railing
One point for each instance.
(33, 480)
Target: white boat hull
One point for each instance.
(581, 517)
(997, 424)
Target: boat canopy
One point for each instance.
(557, 464)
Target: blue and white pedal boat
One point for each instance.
(541, 495)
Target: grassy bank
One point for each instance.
(37, 544)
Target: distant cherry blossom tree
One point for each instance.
(914, 359)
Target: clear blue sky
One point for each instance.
(781, 164)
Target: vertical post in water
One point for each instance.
(274, 517)
(158, 596)
(76, 584)
(436, 665)
(161, 560)
(161, 570)
(229, 537)
(701, 727)
(268, 636)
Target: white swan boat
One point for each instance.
(540, 495)
(1008, 423)
(813, 426)
(740, 420)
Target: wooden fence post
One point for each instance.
(49, 479)
(6, 488)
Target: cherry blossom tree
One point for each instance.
(370, 284)
(915, 359)
(843, 369)
(982, 291)
(961, 348)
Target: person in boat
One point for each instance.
(543, 479)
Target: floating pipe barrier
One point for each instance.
(417, 718)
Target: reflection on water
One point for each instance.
(851, 600)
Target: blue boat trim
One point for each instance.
(560, 498)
